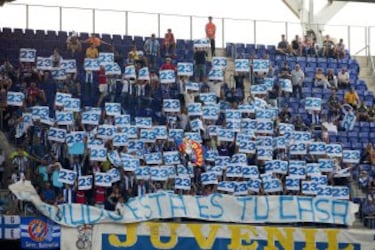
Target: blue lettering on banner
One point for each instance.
(216, 207)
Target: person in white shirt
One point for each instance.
(297, 80)
(343, 78)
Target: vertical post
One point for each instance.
(366, 37)
(27, 16)
(255, 32)
(349, 39)
(286, 31)
(126, 22)
(61, 18)
(191, 27)
(223, 32)
(93, 20)
(159, 25)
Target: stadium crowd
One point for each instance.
(39, 158)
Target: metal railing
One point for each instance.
(184, 26)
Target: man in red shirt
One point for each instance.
(103, 86)
(168, 65)
(210, 34)
(169, 42)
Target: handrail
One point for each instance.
(359, 51)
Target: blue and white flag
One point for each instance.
(202, 43)
(286, 85)
(85, 182)
(325, 165)
(39, 233)
(209, 178)
(349, 121)
(297, 169)
(182, 182)
(317, 148)
(208, 98)
(91, 64)
(144, 74)
(334, 150)
(313, 103)
(70, 66)
(210, 112)
(259, 89)
(67, 176)
(216, 74)
(351, 156)
(106, 58)
(57, 134)
(72, 104)
(130, 72)
(27, 55)
(242, 65)
(219, 62)
(194, 109)
(15, 98)
(112, 108)
(143, 122)
(167, 76)
(171, 105)
(261, 65)
(292, 183)
(185, 69)
(122, 120)
(44, 63)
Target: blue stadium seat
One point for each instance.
(107, 38)
(40, 34)
(29, 34)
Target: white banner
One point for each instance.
(216, 207)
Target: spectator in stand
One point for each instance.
(239, 79)
(351, 98)
(73, 44)
(308, 46)
(168, 65)
(47, 194)
(35, 95)
(274, 94)
(210, 30)
(284, 47)
(371, 113)
(299, 124)
(200, 65)
(343, 79)
(285, 72)
(340, 49)
(103, 85)
(297, 80)
(328, 49)
(141, 188)
(285, 115)
(297, 46)
(320, 79)
(92, 52)
(332, 79)
(333, 107)
(169, 42)
(362, 112)
(56, 58)
(152, 50)
(132, 55)
(95, 41)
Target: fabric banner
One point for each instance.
(216, 207)
(153, 235)
(39, 233)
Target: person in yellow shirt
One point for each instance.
(352, 98)
(92, 52)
